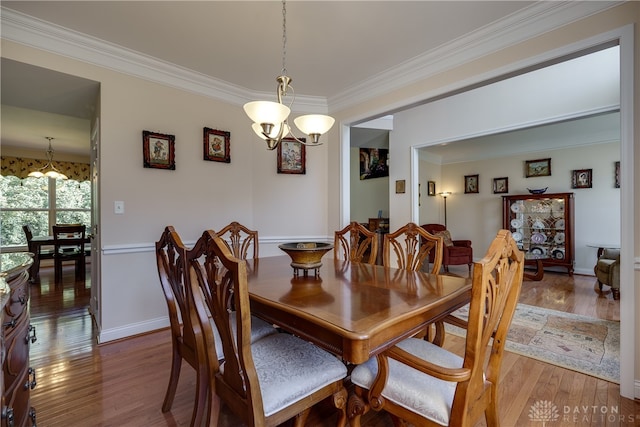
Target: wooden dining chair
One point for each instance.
(426, 385)
(412, 245)
(171, 256)
(240, 239)
(265, 382)
(356, 243)
(68, 243)
(39, 252)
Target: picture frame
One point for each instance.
(616, 174)
(216, 145)
(292, 156)
(374, 163)
(158, 150)
(400, 186)
(431, 188)
(538, 167)
(471, 184)
(581, 178)
(500, 185)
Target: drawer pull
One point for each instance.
(31, 335)
(10, 324)
(31, 384)
(32, 415)
(22, 300)
(7, 414)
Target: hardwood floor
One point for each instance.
(123, 383)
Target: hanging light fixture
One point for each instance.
(48, 170)
(271, 118)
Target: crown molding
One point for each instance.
(541, 17)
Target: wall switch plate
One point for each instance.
(118, 207)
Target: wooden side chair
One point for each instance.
(42, 253)
(68, 242)
(426, 385)
(356, 243)
(171, 256)
(240, 239)
(265, 382)
(412, 246)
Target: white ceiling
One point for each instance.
(240, 43)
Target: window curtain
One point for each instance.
(20, 167)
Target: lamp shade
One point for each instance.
(314, 123)
(266, 112)
(274, 131)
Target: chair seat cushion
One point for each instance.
(459, 251)
(289, 369)
(604, 265)
(420, 393)
(259, 330)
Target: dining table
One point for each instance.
(353, 310)
(35, 246)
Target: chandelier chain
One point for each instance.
(284, 37)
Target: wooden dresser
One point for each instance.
(17, 378)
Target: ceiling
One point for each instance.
(240, 43)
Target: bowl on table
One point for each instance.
(306, 255)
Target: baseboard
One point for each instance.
(133, 329)
(636, 389)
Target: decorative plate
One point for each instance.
(560, 224)
(517, 236)
(516, 223)
(559, 238)
(538, 224)
(538, 238)
(558, 254)
(516, 207)
(536, 250)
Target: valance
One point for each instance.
(20, 167)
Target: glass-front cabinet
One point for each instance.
(542, 225)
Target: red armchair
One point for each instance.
(455, 252)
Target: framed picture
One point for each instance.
(292, 156)
(431, 188)
(539, 167)
(158, 150)
(617, 174)
(374, 163)
(581, 178)
(400, 186)
(500, 185)
(216, 145)
(471, 184)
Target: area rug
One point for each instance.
(580, 343)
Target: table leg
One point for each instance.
(539, 273)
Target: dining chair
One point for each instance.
(426, 385)
(239, 239)
(356, 243)
(265, 382)
(412, 245)
(171, 255)
(68, 242)
(39, 253)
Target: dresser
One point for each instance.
(17, 377)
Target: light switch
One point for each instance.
(118, 207)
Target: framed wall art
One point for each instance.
(431, 188)
(500, 185)
(216, 145)
(581, 178)
(617, 174)
(471, 184)
(400, 186)
(374, 163)
(158, 150)
(539, 167)
(292, 156)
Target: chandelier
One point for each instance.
(271, 118)
(48, 170)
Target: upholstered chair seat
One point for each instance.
(607, 271)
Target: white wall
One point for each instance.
(477, 217)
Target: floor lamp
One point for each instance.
(444, 195)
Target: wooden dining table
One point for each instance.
(352, 310)
(36, 243)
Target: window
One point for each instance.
(41, 203)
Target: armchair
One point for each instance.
(607, 271)
(455, 252)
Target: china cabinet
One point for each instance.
(542, 225)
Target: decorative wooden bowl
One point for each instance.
(306, 255)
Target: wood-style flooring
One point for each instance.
(123, 383)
